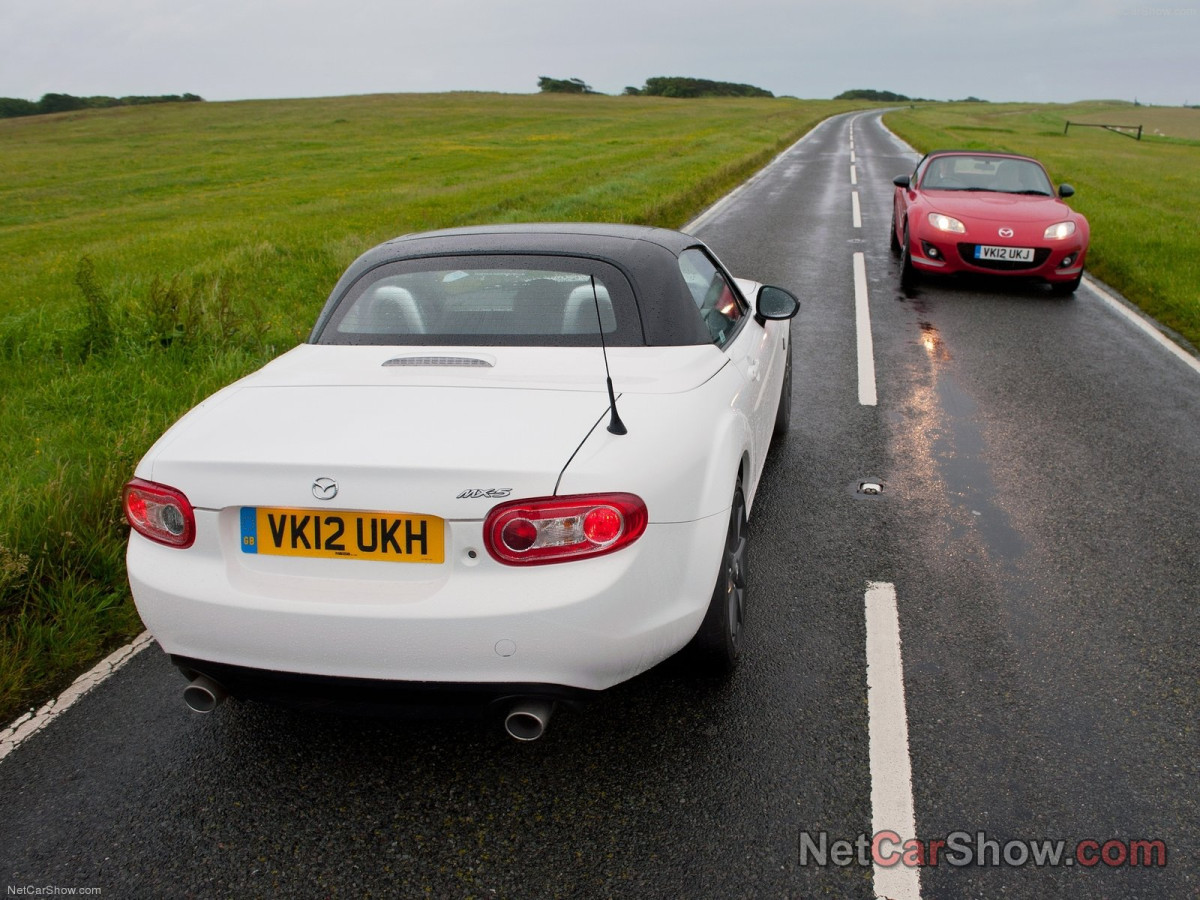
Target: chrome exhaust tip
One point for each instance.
(527, 720)
(203, 695)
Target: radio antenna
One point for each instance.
(615, 425)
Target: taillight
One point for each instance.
(557, 529)
(160, 513)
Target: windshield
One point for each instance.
(487, 301)
(986, 173)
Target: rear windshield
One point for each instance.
(487, 301)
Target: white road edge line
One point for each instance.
(32, 722)
(887, 717)
(701, 220)
(1141, 322)
(866, 347)
(856, 209)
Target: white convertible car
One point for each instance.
(512, 465)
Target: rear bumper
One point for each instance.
(364, 696)
(587, 624)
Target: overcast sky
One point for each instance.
(1031, 50)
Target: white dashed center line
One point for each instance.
(866, 347)
(891, 769)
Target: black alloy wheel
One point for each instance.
(717, 646)
(1066, 288)
(908, 274)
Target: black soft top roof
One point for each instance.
(646, 255)
(546, 235)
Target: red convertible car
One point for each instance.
(990, 214)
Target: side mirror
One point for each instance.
(901, 181)
(775, 303)
(1065, 191)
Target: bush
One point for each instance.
(699, 87)
(563, 86)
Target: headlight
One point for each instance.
(1059, 231)
(946, 223)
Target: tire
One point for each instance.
(894, 242)
(1066, 288)
(908, 274)
(717, 646)
(783, 418)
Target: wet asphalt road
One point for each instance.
(1040, 462)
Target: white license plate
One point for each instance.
(1007, 254)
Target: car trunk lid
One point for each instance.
(448, 438)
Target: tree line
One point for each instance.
(701, 87)
(659, 87)
(11, 107)
(889, 97)
(695, 87)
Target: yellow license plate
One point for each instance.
(387, 537)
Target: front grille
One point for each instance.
(967, 252)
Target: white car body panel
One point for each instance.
(584, 624)
(445, 431)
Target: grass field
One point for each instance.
(151, 254)
(1158, 122)
(1141, 197)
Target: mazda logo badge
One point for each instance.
(324, 488)
(1006, 232)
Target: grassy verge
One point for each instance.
(149, 255)
(1139, 196)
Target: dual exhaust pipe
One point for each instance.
(525, 721)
